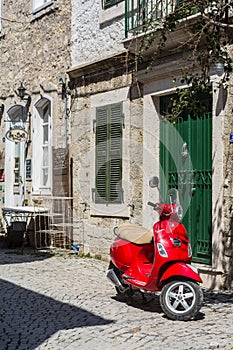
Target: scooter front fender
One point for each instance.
(181, 269)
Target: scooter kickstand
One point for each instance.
(129, 295)
(144, 299)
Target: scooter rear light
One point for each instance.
(162, 250)
(189, 250)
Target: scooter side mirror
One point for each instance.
(154, 182)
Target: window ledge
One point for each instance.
(42, 192)
(46, 9)
(110, 210)
(203, 268)
(112, 12)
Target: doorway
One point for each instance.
(186, 164)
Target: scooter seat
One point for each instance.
(134, 233)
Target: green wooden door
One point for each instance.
(186, 163)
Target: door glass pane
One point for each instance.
(45, 176)
(45, 156)
(46, 113)
(45, 133)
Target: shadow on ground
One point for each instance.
(16, 256)
(218, 297)
(27, 319)
(148, 303)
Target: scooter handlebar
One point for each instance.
(154, 205)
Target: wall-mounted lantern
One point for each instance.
(62, 83)
(17, 117)
(21, 91)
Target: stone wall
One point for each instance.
(35, 50)
(98, 229)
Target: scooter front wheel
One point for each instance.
(181, 300)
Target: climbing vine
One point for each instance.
(209, 34)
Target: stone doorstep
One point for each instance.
(212, 277)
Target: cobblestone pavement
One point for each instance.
(65, 302)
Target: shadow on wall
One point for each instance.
(228, 253)
(222, 100)
(28, 318)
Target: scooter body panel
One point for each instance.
(173, 236)
(132, 259)
(143, 265)
(161, 263)
(180, 269)
(121, 254)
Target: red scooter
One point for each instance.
(158, 262)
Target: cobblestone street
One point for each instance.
(64, 302)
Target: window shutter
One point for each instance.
(101, 153)
(109, 154)
(115, 159)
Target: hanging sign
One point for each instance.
(17, 134)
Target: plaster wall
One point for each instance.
(96, 33)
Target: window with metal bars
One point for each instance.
(17, 164)
(108, 157)
(141, 15)
(109, 3)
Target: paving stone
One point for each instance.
(57, 303)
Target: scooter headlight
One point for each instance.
(162, 250)
(189, 250)
(193, 268)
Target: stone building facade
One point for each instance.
(102, 78)
(35, 54)
(95, 132)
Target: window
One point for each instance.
(45, 127)
(40, 4)
(108, 162)
(109, 3)
(17, 164)
(42, 147)
(28, 169)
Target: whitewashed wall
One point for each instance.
(95, 33)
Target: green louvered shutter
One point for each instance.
(101, 153)
(109, 154)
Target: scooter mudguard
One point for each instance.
(181, 269)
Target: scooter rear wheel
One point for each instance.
(181, 300)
